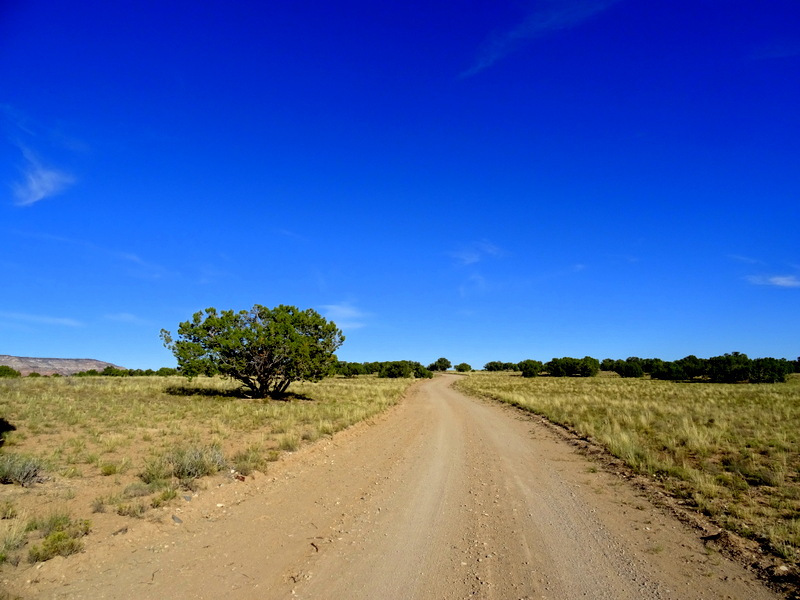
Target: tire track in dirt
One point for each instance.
(442, 497)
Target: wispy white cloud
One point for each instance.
(745, 259)
(39, 319)
(777, 49)
(476, 252)
(628, 258)
(138, 266)
(784, 281)
(345, 315)
(475, 283)
(17, 119)
(144, 269)
(288, 233)
(124, 317)
(210, 274)
(547, 17)
(39, 182)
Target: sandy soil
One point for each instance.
(442, 497)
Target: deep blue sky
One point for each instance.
(478, 180)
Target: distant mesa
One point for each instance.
(51, 366)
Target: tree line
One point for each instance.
(557, 367)
(389, 369)
(114, 372)
(734, 367)
(397, 368)
(6, 371)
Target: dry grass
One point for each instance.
(120, 446)
(731, 451)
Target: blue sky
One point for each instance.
(476, 180)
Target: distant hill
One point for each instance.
(50, 366)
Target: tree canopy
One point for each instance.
(570, 367)
(403, 368)
(6, 371)
(264, 349)
(530, 367)
(735, 367)
(497, 365)
(441, 364)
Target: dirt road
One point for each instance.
(444, 497)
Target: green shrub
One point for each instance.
(156, 469)
(99, 505)
(6, 371)
(165, 496)
(107, 469)
(59, 522)
(497, 365)
(19, 468)
(572, 367)
(421, 372)
(348, 369)
(13, 536)
(629, 368)
(530, 368)
(441, 364)
(58, 543)
(396, 369)
(247, 461)
(289, 442)
(185, 464)
(61, 536)
(195, 461)
(138, 489)
(134, 509)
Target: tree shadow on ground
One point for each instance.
(289, 396)
(5, 427)
(241, 394)
(185, 390)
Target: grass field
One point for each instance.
(89, 447)
(730, 450)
